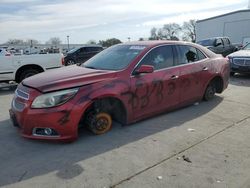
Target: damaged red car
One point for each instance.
(126, 83)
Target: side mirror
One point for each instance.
(144, 69)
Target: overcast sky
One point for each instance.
(84, 20)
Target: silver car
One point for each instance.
(240, 61)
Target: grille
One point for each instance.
(18, 105)
(242, 61)
(22, 94)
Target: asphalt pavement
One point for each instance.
(202, 145)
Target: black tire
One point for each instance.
(99, 122)
(210, 92)
(70, 62)
(232, 73)
(27, 73)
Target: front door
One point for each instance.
(156, 91)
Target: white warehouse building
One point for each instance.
(235, 25)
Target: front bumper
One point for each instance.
(240, 65)
(63, 120)
(240, 69)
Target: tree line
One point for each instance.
(171, 31)
(174, 31)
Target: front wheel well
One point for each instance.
(110, 105)
(24, 68)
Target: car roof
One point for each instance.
(158, 42)
(153, 43)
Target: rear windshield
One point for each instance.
(207, 42)
(115, 58)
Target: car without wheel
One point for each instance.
(240, 61)
(126, 83)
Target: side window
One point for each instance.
(218, 42)
(97, 49)
(82, 50)
(188, 54)
(226, 41)
(160, 57)
(89, 49)
(200, 55)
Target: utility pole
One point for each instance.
(68, 41)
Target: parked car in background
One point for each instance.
(126, 82)
(81, 54)
(17, 68)
(4, 52)
(219, 45)
(240, 60)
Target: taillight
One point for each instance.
(8, 54)
(62, 60)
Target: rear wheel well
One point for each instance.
(110, 105)
(19, 72)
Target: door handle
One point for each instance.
(174, 77)
(205, 69)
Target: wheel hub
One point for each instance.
(102, 123)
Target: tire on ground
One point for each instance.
(210, 91)
(27, 73)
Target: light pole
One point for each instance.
(68, 41)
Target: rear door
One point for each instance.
(81, 55)
(228, 48)
(157, 91)
(193, 70)
(219, 46)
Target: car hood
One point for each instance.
(241, 53)
(67, 77)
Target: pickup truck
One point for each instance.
(219, 45)
(17, 68)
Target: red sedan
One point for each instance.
(127, 82)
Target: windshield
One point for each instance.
(207, 42)
(247, 47)
(114, 58)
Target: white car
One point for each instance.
(17, 68)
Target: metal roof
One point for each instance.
(227, 14)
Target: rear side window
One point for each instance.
(226, 41)
(160, 57)
(93, 49)
(188, 54)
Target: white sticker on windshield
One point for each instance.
(137, 47)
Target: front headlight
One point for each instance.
(54, 99)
